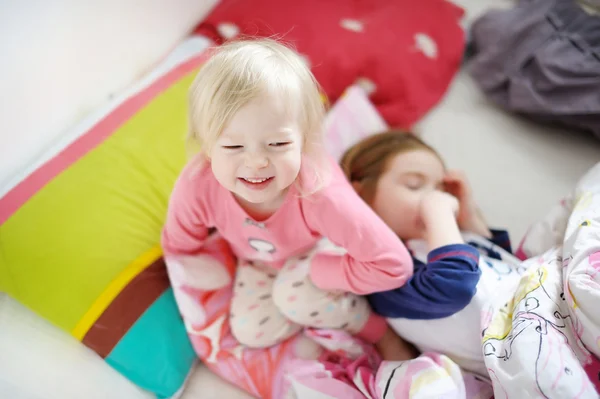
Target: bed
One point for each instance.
(532, 164)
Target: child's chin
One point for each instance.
(254, 199)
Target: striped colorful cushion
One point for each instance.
(79, 237)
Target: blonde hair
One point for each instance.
(240, 71)
(366, 161)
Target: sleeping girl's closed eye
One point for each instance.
(413, 181)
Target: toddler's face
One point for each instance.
(409, 177)
(258, 155)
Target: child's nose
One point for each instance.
(257, 160)
(428, 190)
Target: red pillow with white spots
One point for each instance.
(404, 52)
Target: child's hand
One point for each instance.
(438, 214)
(456, 184)
(469, 218)
(437, 202)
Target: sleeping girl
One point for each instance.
(459, 263)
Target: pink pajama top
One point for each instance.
(376, 260)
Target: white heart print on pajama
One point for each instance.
(263, 248)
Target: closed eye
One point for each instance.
(413, 181)
(280, 144)
(233, 147)
(414, 186)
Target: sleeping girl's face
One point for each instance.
(408, 178)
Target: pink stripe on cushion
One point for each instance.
(23, 191)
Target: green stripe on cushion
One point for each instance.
(156, 353)
(70, 240)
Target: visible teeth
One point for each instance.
(255, 180)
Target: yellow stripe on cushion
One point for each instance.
(113, 289)
(76, 235)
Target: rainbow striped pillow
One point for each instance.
(79, 237)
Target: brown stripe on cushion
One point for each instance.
(127, 307)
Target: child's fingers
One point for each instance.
(455, 177)
(453, 187)
(456, 183)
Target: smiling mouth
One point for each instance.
(256, 180)
(256, 183)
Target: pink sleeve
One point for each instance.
(185, 229)
(376, 259)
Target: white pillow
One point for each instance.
(61, 59)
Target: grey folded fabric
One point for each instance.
(540, 59)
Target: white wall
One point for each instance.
(62, 58)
